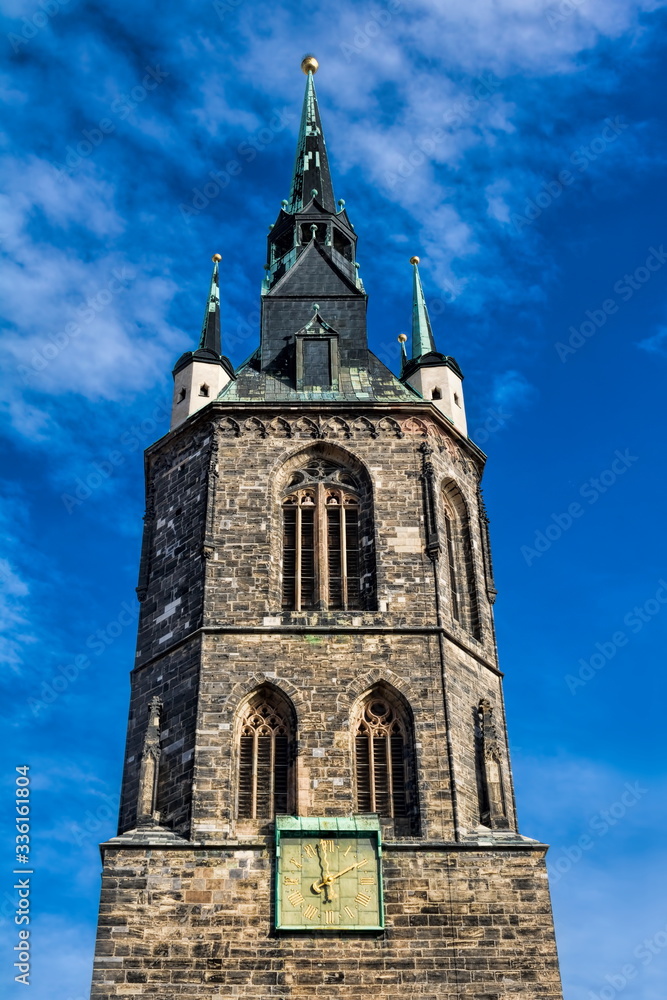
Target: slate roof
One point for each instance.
(373, 384)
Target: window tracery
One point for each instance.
(265, 758)
(321, 539)
(385, 766)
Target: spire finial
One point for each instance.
(309, 64)
(422, 334)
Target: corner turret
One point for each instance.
(435, 376)
(200, 376)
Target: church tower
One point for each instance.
(317, 795)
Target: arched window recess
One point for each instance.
(459, 561)
(385, 762)
(266, 757)
(321, 539)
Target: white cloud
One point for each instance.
(15, 627)
(90, 323)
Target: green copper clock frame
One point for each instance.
(328, 874)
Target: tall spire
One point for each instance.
(210, 332)
(311, 167)
(422, 334)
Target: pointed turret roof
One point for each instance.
(210, 339)
(311, 167)
(422, 334)
(424, 351)
(209, 348)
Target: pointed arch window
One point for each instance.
(265, 773)
(385, 766)
(322, 562)
(459, 562)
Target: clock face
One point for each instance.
(328, 881)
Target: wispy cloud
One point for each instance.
(657, 343)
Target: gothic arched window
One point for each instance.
(266, 755)
(384, 754)
(323, 566)
(459, 562)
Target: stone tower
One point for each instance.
(317, 795)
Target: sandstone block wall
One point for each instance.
(466, 924)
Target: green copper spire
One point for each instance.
(312, 178)
(422, 334)
(210, 339)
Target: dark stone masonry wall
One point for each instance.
(186, 908)
(220, 563)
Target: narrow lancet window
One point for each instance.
(459, 561)
(265, 758)
(384, 751)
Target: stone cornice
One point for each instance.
(290, 413)
(446, 846)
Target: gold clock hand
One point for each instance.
(329, 878)
(326, 877)
(338, 874)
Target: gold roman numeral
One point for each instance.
(327, 846)
(331, 916)
(309, 850)
(362, 899)
(291, 881)
(345, 853)
(366, 881)
(296, 899)
(297, 864)
(362, 864)
(351, 914)
(310, 912)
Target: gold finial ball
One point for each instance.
(402, 337)
(414, 260)
(216, 258)
(310, 64)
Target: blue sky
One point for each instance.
(519, 148)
